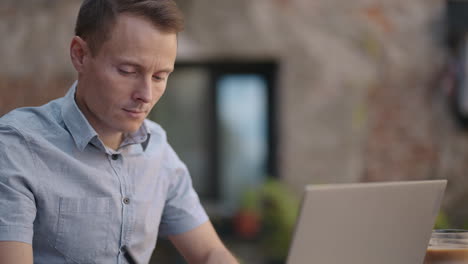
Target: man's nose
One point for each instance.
(144, 91)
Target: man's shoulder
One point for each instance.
(33, 120)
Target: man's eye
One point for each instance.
(158, 78)
(162, 76)
(125, 72)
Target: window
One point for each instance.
(220, 119)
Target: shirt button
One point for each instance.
(115, 156)
(126, 200)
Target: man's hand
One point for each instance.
(15, 253)
(202, 245)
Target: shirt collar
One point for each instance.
(79, 127)
(141, 136)
(82, 131)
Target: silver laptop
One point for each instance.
(366, 223)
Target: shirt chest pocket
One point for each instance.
(83, 228)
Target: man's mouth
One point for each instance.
(136, 113)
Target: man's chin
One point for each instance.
(132, 128)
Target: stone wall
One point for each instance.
(34, 49)
(353, 83)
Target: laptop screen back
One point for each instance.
(366, 223)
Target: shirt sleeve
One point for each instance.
(183, 210)
(17, 203)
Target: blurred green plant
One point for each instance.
(280, 210)
(442, 221)
(277, 208)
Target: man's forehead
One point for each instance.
(126, 19)
(131, 30)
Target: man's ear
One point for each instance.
(79, 51)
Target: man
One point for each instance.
(85, 176)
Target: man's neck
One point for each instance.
(112, 141)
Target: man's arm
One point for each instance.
(15, 253)
(202, 245)
(17, 206)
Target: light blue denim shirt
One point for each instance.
(77, 201)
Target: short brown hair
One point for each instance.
(96, 18)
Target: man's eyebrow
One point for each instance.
(130, 63)
(168, 70)
(138, 66)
